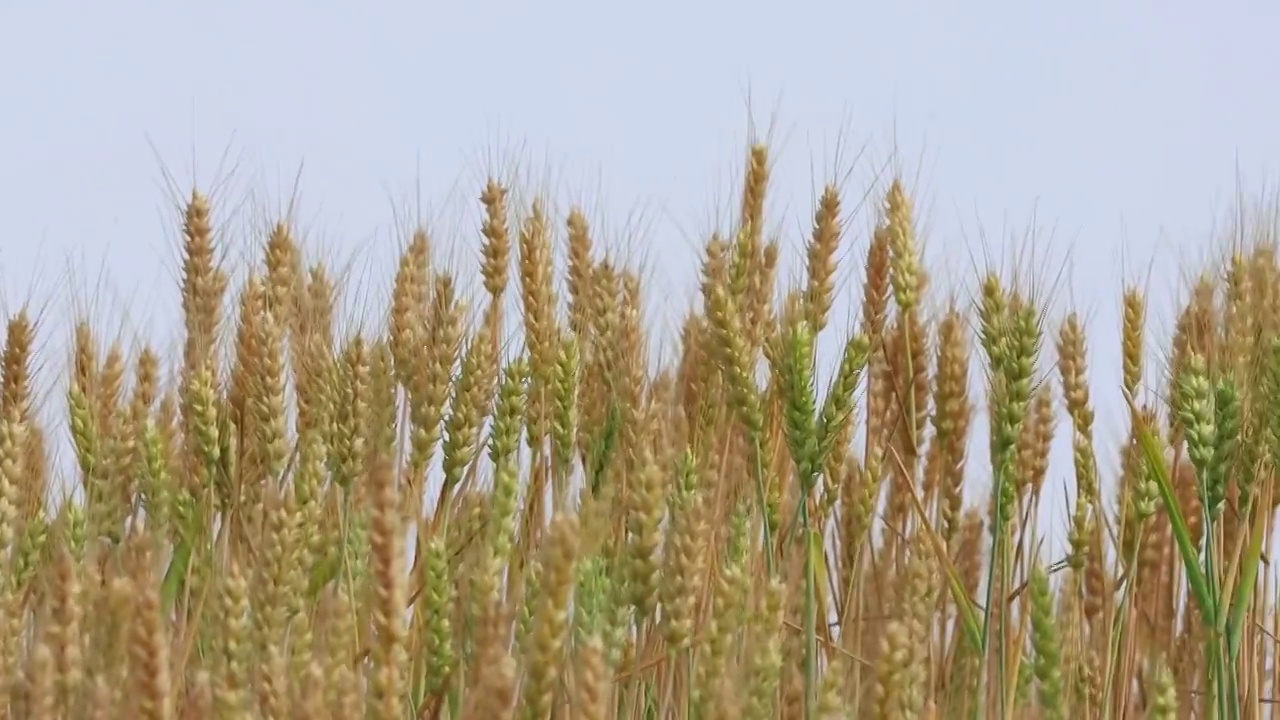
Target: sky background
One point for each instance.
(1114, 134)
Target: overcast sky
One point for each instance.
(1114, 130)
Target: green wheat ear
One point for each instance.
(795, 369)
(1047, 644)
(838, 407)
(603, 450)
(1164, 703)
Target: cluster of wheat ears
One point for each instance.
(465, 515)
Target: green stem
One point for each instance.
(810, 615)
(997, 535)
(1002, 660)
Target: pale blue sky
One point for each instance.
(1101, 123)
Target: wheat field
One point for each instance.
(469, 512)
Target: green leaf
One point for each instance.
(1243, 595)
(1154, 455)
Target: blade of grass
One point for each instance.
(968, 616)
(175, 577)
(1248, 582)
(1154, 456)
